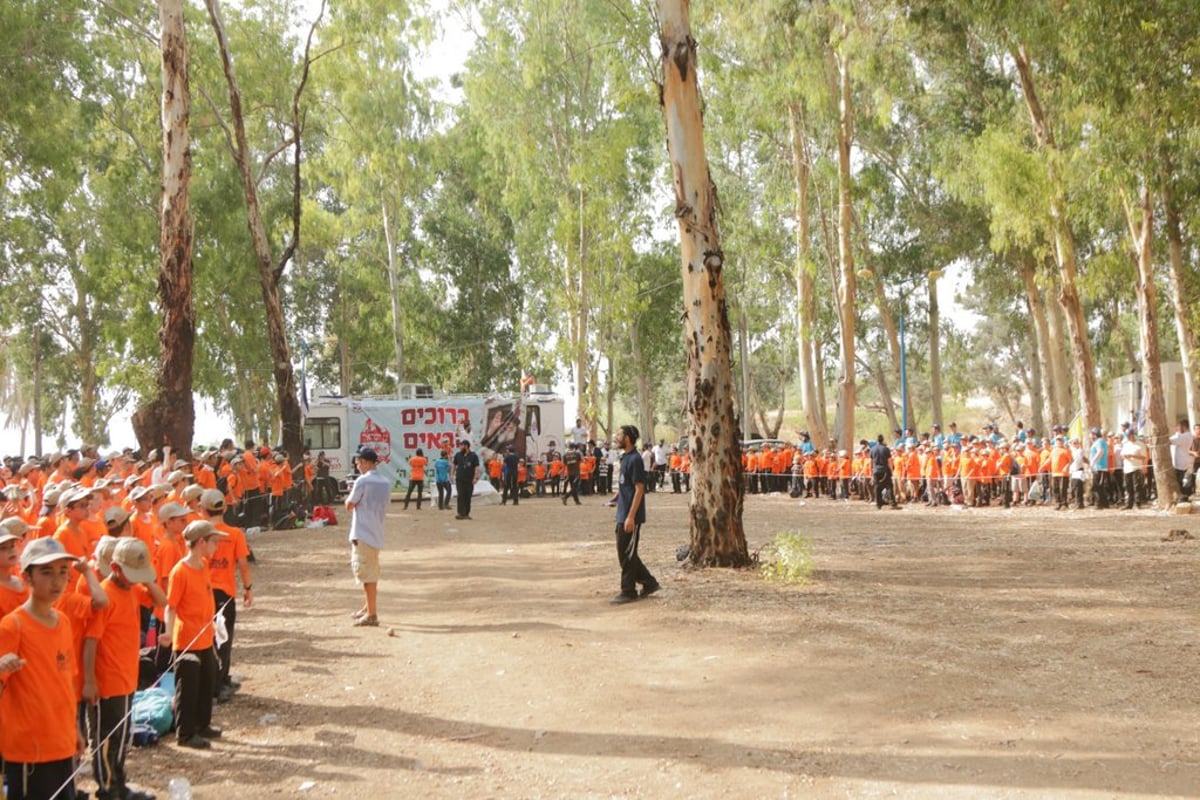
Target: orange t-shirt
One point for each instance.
(73, 539)
(78, 609)
(10, 599)
(223, 565)
(117, 629)
(39, 700)
(149, 530)
(206, 477)
(416, 466)
(190, 595)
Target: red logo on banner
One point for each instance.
(378, 439)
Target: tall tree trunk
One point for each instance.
(847, 385)
(170, 417)
(1064, 247)
(1065, 406)
(1182, 303)
(270, 272)
(806, 289)
(1141, 232)
(1043, 404)
(393, 270)
(715, 506)
(885, 393)
(935, 348)
(641, 381)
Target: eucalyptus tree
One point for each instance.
(717, 535)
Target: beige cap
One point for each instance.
(201, 529)
(212, 500)
(115, 517)
(170, 511)
(134, 557)
(191, 493)
(104, 553)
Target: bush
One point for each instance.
(788, 558)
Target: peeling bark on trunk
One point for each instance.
(1064, 247)
(1044, 373)
(715, 507)
(1182, 304)
(393, 271)
(1141, 233)
(847, 381)
(806, 289)
(170, 417)
(935, 350)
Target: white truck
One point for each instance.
(395, 427)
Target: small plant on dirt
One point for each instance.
(787, 558)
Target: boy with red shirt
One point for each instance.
(110, 664)
(190, 611)
(40, 737)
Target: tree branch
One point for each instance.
(297, 128)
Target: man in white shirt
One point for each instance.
(1134, 457)
(580, 432)
(1181, 456)
(368, 502)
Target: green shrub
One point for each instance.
(787, 558)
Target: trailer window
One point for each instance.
(323, 433)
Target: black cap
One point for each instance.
(367, 454)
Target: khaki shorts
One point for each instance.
(364, 563)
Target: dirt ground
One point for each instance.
(954, 654)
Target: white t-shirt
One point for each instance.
(579, 434)
(1133, 455)
(1181, 444)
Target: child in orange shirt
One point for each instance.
(416, 477)
(110, 663)
(40, 737)
(190, 611)
(13, 591)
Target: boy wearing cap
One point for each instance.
(110, 662)
(368, 502)
(13, 590)
(40, 737)
(631, 514)
(232, 554)
(190, 611)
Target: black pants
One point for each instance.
(443, 489)
(883, 488)
(195, 678)
(225, 651)
(255, 512)
(108, 729)
(420, 487)
(1133, 488)
(571, 489)
(1100, 489)
(465, 486)
(511, 491)
(40, 781)
(633, 571)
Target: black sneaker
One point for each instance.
(196, 743)
(211, 733)
(622, 599)
(651, 589)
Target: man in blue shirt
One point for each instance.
(367, 502)
(441, 474)
(1098, 456)
(631, 513)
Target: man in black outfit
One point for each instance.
(571, 460)
(466, 474)
(631, 514)
(881, 472)
(508, 477)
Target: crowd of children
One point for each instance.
(1099, 469)
(112, 570)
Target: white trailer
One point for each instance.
(531, 422)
